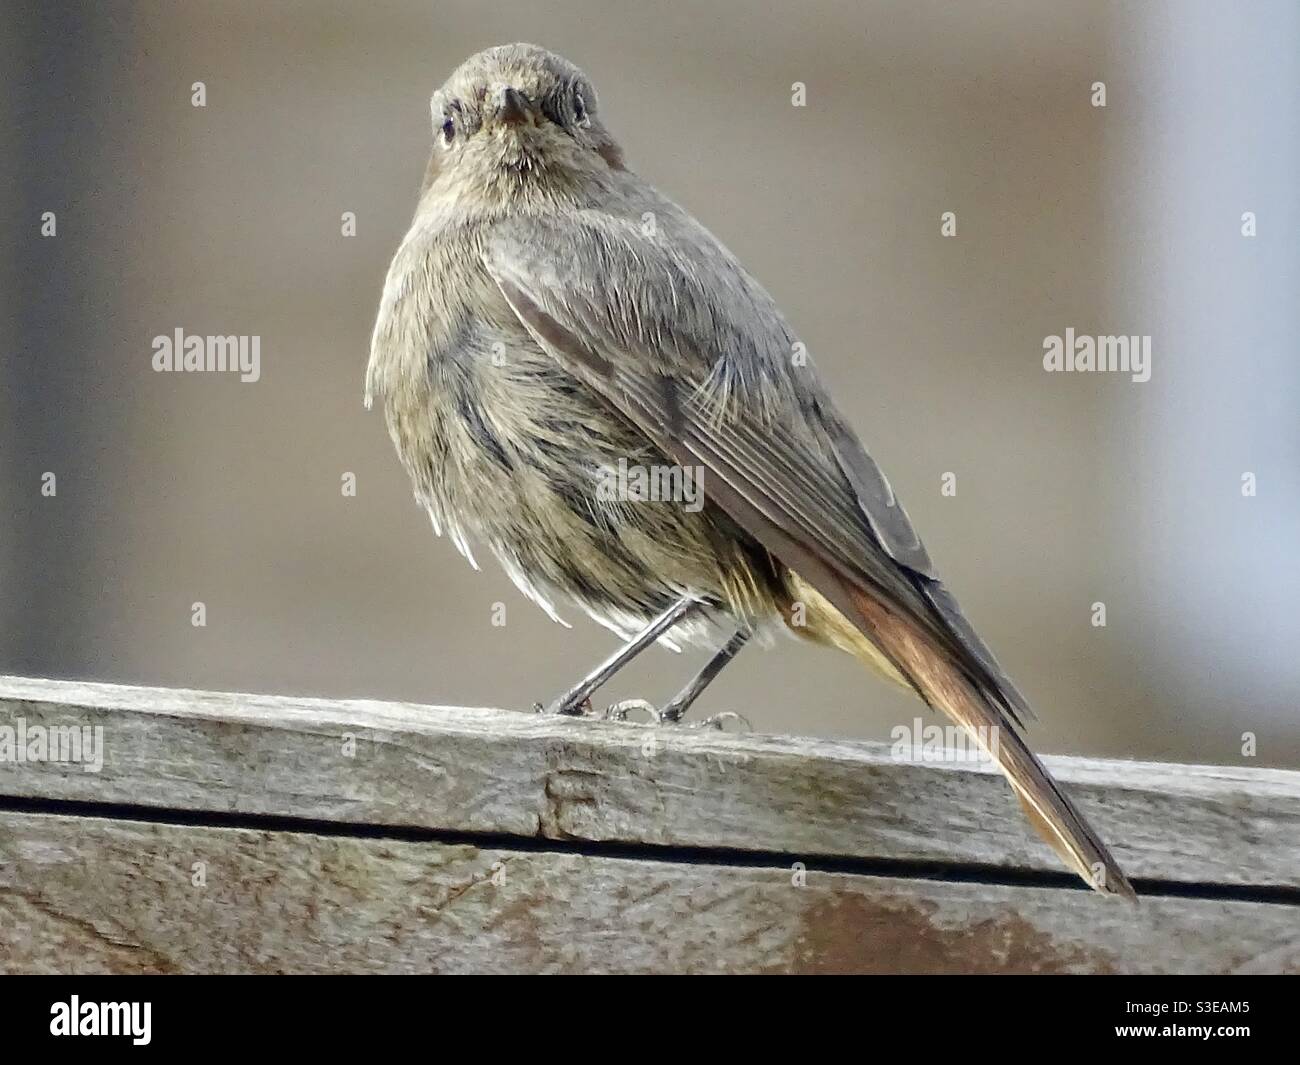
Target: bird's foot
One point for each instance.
(567, 708)
(671, 714)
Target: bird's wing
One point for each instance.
(670, 330)
(661, 322)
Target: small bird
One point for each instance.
(550, 317)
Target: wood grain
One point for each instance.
(528, 776)
(90, 895)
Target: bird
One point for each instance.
(550, 316)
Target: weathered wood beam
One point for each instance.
(253, 833)
(90, 895)
(363, 762)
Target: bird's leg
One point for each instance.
(573, 701)
(672, 711)
(681, 702)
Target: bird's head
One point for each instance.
(514, 114)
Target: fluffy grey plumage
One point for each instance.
(505, 448)
(550, 314)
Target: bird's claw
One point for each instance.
(582, 709)
(620, 710)
(718, 721)
(668, 716)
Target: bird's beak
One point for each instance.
(512, 107)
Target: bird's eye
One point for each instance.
(448, 130)
(580, 115)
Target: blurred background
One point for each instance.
(1072, 489)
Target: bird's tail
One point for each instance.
(905, 652)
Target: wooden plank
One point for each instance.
(525, 775)
(93, 895)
